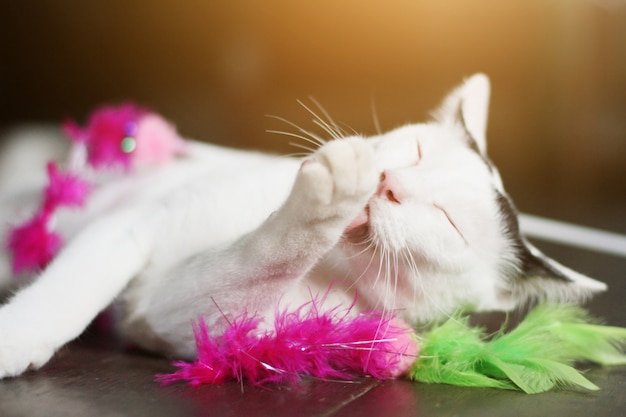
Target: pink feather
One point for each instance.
(113, 136)
(64, 189)
(103, 135)
(329, 345)
(73, 131)
(33, 245)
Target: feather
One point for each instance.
(536, 356)
(328, 345)
(109, 140)
(64, 189)
(33, 244)
(104, 134)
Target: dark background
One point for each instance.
(557, 127)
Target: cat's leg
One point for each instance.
(78, 284)
(252, 274)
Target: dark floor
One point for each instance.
(95, 376)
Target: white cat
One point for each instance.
(414, 221)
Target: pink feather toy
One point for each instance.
(34, 243)
(328, 345)
(124, 136)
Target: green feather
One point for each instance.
(536, 356)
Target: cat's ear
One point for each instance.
(468, 105)
(540, 278)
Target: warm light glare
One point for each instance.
(558, 69)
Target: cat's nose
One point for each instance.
(389, 187)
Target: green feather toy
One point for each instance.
(536, 356)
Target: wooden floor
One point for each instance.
(96, 376)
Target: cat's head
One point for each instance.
(441, 233)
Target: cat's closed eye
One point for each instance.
(450, 221)
(419, 152)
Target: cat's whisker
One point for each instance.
(295, 135)
(331, 122)
(300, 146)
(294, 155)
(425, 294)
(318, 140)
(391, 283)
(328, 129)
(369, 264)
(388, 280)
(415, 272)
(350, 129)
(380, 255)
(389, 295)
(395, 279)
(319, 121)
(384, 300)
(366, 244)
(309, 149)
(381, 261)
(375, 116)
(408, 256)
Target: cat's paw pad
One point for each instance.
(339, 178)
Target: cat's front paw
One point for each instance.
(335, 183)
(15, 360)
(21, 349)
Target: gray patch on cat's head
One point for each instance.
(529, 263)
(533, 276)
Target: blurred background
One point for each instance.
(557, 126)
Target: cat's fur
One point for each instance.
(415, 221)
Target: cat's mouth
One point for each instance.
(359, 230)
